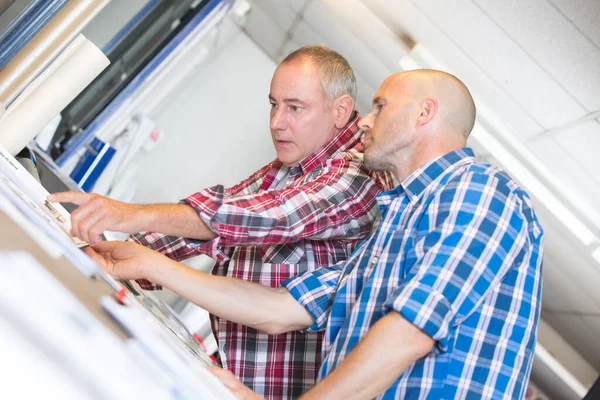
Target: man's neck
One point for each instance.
(416, 158)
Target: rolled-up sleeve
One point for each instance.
(178, 249)
(479, 233)
(315, 292)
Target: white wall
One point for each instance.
(216, 130)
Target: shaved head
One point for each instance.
(416, 117)
(455, 103)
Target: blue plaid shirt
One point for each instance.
(458, 253)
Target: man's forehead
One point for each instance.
(300, 86)
(397, 85)
(383, 92)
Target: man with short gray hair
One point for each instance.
(306, 209)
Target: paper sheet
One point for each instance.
(24, 200)
(62, 326)
(35, 193)
(46, 46)
(50, 246)
(53, 92)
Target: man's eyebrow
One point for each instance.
(289, 100)
(378, 100)
(293, 100)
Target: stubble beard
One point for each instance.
(375, 162)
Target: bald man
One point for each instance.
(441, 302)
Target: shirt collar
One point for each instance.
(416, 183)
(345, 140)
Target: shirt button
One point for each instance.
(374, 260)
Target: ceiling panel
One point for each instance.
(552, 285)
(324, 23)
(403, 16)
(584, 14)
(304, 35)
(582, 334)
(266, 34)
(297, 5)
(572, 269)
(504, 61)
(289, 46)
(568, 168)
(566, 354)
(368, 29)
(561, 291)
(280, 12)
(557, 46)
(582, 142)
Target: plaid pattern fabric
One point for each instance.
(458, 253)
(266, 235)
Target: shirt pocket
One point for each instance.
(287, 253)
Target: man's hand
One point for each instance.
(232, 383)
(126, 260)
(97, 214)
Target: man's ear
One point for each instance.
(429, 108)
(342, 108)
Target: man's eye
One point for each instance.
(273, 105)
(294, 108)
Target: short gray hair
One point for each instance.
(335, 73)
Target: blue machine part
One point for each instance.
(92, 164)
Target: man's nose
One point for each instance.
(278, 121)
(366, 122)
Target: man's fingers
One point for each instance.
(70, 197)
(91, 252)
(120, 250)
(106, 246)
(93, 255)
(79, 217)
(88, 226)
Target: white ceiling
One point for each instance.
(534, 64)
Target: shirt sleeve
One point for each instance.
(339, 203)
(315, 292)
(180, 248)
(476, 232)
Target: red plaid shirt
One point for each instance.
(269, 231)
